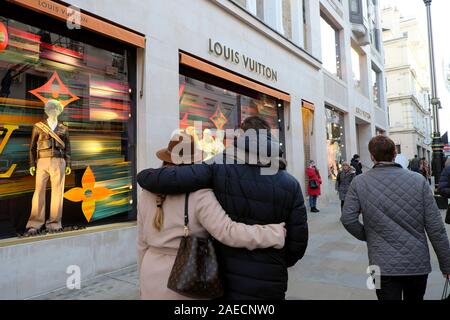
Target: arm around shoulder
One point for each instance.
(215, 220)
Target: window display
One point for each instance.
(335, 141)
(220, 109)
(67, 118)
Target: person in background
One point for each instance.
(314, 182)
(161, 227)
(343, 181)
(356, 164)
(414, 164)
(425, 170)
(399, 213)
(444, 181)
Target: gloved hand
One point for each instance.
(68, 171)
(32, 171)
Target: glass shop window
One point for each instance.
(222, 107)
(93, 92)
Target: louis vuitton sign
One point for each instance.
(231, 55)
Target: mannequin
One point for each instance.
(49, 159)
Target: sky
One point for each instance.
(441, 28)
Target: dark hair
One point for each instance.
(356, 156)
(382, 148)
(256, 123)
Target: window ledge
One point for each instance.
(15, 241)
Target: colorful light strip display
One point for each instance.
(92, 84)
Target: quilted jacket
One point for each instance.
(398, 211)
(252, 198)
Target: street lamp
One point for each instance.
(437, 144)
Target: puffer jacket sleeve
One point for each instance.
(444, 183)
(350, 213)
(176, 179)
(435, 229)
(297, 229)
(214, 219)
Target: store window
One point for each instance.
(331, 57)
(222, 106)
(336, 149)
(85, 89)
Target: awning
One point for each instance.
(87, 21)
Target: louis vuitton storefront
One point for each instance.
(114, 100)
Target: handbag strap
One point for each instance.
(186, 215)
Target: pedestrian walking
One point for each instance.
(314, 182)
(356, 164)
(424, 169)
(414, 164)
(161, 228)
(444, 186)
(250, 196)
(343, 181)
(398, 212)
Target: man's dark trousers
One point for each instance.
(402, 287)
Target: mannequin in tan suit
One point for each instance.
(49, 159)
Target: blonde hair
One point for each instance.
(158, 221)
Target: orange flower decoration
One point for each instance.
(88, 194)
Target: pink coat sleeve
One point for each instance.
(214, 219)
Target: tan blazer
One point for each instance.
(157, 250)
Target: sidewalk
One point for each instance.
(334, 267)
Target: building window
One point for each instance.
(287, 19)
(356, 68)
(374, 31)
(335, 132)
(330, 39)
(376, 86)
(260, 9)
(398, 148)
(242, 3)
(222, 106)
(356, 13)
(92, 79)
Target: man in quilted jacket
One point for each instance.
(399, 212)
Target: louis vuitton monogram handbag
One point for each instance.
(195, 273)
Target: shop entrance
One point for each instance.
(363, 136)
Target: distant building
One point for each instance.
(407, 76)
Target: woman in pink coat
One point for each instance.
(161, 228)
(314, 182)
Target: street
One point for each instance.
(333, 268)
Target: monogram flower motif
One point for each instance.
(88, 194)
(54, 89)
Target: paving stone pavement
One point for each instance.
(334, 267)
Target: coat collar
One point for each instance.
(387, 165)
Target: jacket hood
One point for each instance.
(259, 150)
